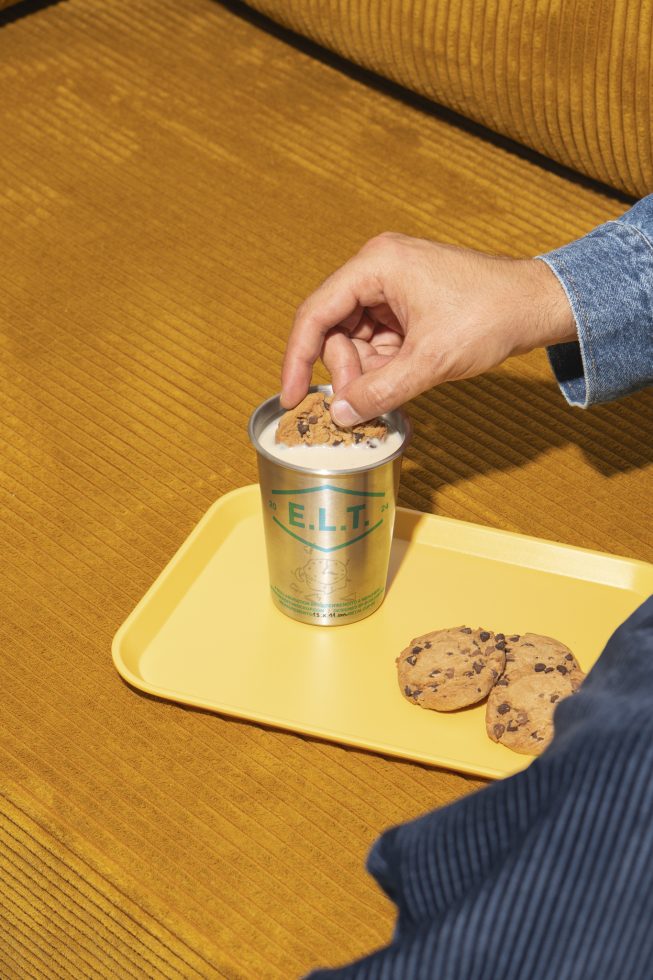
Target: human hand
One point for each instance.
(405, 314)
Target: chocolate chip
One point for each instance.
(478, 689)
(409, 693)
(468, 673)
(434, 672)
(427, 645)
(569, 656)
(358, 437)
(503, 708)
(494, 673)
(302, 427)
(502, 682)
(538, 668)
(337, 442)
(449, 672)
(554, 698)
(465, 629)
(499, 636)
(512, 727)
(562, 669)
(498, 730)
(513, 639)
(416, 650)
(528, 644)
(501, 645)
(534, 735)
(477, 666)
(411, 660)
(312, 419)
(522, 717)
(549, 670)
(485, 636)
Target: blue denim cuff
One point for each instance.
(608, 278)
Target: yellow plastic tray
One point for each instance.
(207, 634)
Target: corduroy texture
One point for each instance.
(568, 78)
(173, 182)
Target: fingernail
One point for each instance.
(344, 414)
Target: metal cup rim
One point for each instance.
(397, 418)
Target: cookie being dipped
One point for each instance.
(310, 424)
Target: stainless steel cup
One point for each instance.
(328, 532)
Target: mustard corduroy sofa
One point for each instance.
(175, 178)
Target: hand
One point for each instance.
(405, 314)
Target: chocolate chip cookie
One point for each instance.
(449, 669)
(519, 712)
(311, 423)
(531, 653)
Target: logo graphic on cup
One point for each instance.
(349, 515)
(328, 532)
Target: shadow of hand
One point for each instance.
(503, 420)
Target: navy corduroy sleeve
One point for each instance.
(608, 278)
(546, 875)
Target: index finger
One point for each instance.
(339, 301)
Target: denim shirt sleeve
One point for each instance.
(608, 278)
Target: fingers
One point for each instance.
(341, 358)
(338, 301)
(381, 390)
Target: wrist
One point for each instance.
(553, 315)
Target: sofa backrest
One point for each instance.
(571, 79)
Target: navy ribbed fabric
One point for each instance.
(546, 875)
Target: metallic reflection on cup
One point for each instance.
(328, 532)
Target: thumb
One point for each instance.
(379, 391)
